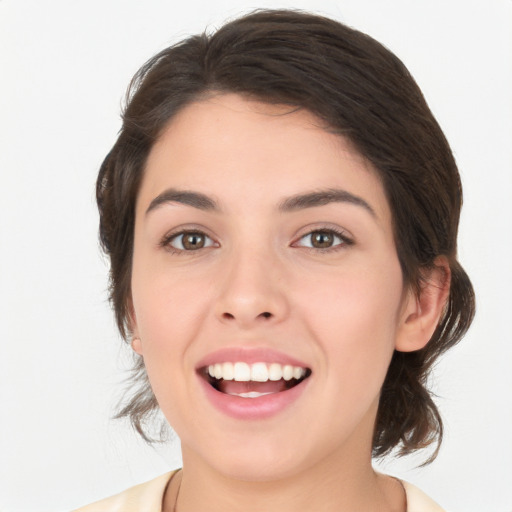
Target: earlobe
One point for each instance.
(421, 313)
(136, 343)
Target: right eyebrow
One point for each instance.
(323, 197)
(186, 197)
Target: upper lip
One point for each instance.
(249, 355)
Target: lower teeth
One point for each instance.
(250, 394)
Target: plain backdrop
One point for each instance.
(64, 67)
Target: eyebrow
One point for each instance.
(186, 197)
(323, 197)
(293, 203)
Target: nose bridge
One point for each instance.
(251, 287)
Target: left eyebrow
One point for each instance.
(186, 197)
(323, 197)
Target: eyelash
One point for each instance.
(345, 240)
(166, 241)
(341, 235)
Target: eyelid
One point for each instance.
(165, 241)
(345, 237)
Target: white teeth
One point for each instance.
(228, 371)
(258, 372)
(242, 372)
(250, 394)
(287, 372)
(275, 372)
(298, 372)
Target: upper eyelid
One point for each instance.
(344, 240)
(166, 239)
(337, 230)
(184, 228)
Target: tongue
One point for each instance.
(233, 387)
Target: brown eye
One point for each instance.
(190, 241)
(193, 241)
(323, 239)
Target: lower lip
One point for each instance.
(258, 408)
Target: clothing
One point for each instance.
(147, 497)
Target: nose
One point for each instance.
(252, 292)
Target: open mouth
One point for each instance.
(253, 380)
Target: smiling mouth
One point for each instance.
(253, 380)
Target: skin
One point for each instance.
(342, 310)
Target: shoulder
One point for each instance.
(146, 497)
(418, 501)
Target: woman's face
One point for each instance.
(264, 250)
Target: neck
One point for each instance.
(325, 488)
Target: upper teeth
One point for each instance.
(259, 372)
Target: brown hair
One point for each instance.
(361, 91)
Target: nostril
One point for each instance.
(229, 316)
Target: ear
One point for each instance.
(421, 313)
(136, 344)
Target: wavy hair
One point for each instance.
(361, 91)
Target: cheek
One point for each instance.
(354, 318)
(168, 310)
(168, 315)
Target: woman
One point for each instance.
(281, 211)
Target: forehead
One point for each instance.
(233, 123)
(227, 143)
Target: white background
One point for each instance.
(64, 67)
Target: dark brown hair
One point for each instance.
(361, 91)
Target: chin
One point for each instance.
(251, 470)
(255, 458)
